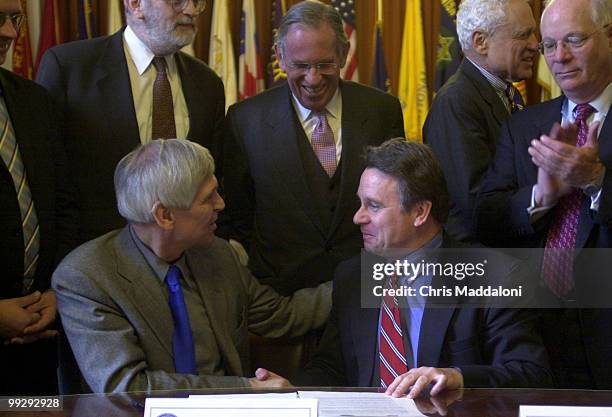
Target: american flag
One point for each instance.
(250, 74)
(347, 10)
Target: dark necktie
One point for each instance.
(163, 108)
(323, 143)
(392, 354)
(557, 264)
(514, 98)
(182, 337)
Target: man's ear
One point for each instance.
(421, 211)
(163, 216)
(134, 7)
(279, 57)
(480, 42)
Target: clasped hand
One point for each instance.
(562, 165)
(27, 319)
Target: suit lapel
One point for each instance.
(436, 321)
(364, 330)
(587, 221)
(486, 90)
(281, 125)
(206, 275)
(34, 153)
(354, 140)
(148, 299)
(115, 91)
(194, 98)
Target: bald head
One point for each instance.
(582, 62)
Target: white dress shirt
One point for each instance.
(334, 118)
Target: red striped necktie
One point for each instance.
(392, 353)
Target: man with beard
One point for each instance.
(117, 92)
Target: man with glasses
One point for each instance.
(36, 224)
(119, 91)
(293, 155)
(550, 187)
(462, 127)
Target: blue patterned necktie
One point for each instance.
(514, 98)
(182, 337)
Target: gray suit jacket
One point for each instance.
(119, 324)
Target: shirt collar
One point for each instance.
(141, 54)
(333, 107)
(497, 83)
(601, 104)
(157, 265)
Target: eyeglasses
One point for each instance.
(573, 41)
(322, 67)
(180, 5)
(17, 19)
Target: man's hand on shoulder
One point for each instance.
(413, 382)
(267, 379)
(15, 316)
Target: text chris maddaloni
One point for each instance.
(407, 272)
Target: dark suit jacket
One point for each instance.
(503, 221)
(493, 347)
(90, 82)
(267, 195)
(41, 148)
(462, 128)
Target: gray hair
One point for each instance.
(483, 15)
(601, 12)
(168, 171)
(312, 14)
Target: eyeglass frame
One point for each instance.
(326, 68)
(566, 42)
(17, 20)
(176, 5)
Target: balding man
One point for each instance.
(550, 187)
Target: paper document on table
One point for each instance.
(213, 406)
(264, 396)
(361, 404)
(563, 411)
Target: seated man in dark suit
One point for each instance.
(404, 203)
(163, 303)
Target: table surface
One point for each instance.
(467, 402)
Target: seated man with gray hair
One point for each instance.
(163, 303)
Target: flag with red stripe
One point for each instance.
(22, 51)
(347, 11)
(250, 74)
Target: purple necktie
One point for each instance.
(557, 265)
(323, 143)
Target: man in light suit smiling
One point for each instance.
(163, 303)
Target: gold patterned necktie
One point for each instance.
(9, 150)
